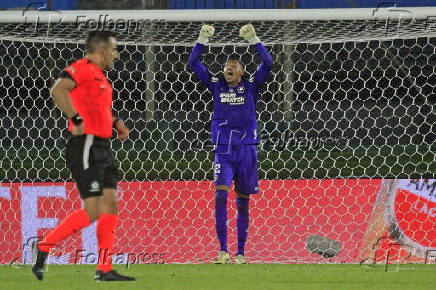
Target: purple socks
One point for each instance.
(242, 222)
(221, 218)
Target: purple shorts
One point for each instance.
(239, 163)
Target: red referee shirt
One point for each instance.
(91, 98)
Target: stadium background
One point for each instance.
(376, 93)
(208, 4)
(371, 108)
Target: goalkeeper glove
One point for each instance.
(205, 32)
(248, 33)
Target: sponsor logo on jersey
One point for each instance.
(214, 79)
(241, 90)
(232, 99)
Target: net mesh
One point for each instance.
(345, 99)
(159, 32)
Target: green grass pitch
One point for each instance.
(205, 276)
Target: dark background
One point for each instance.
(374, 99)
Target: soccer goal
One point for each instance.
(350, 101)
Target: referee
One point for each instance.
(84, 94)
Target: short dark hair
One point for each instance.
(96, 38)
(235, 59)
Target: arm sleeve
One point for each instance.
(77, 74)
(265, 67)
(196, 65)
(66, 74)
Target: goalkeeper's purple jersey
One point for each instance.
(234, 114)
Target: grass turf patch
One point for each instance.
(205, 276)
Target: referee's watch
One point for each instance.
(77, 119)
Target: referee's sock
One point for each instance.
(221, 218)
(106, 225)
(74, 222)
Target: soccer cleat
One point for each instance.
(38, 258)
(223, 258)
(111, 275)
(240, 259)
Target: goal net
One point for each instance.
(350, 101)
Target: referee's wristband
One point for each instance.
(77, 120)
(115, 122)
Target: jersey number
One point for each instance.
(217, 168)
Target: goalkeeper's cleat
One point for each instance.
(240, 259)
(223, 258)
(111, 275)
(38, 258)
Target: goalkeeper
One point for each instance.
(234, 134)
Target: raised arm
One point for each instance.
(195, 57)
(265, 67)
(196, 65)
(247, 31)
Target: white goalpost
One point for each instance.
(340, 24)
(349, 102)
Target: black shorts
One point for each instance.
(92, 164)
